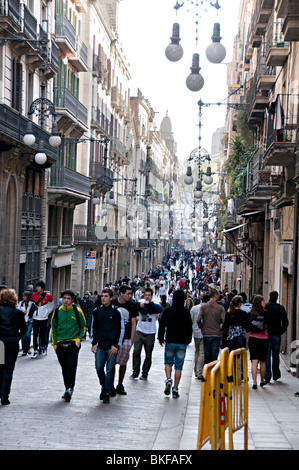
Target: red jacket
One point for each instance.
(44, 305)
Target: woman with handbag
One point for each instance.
(258, 342)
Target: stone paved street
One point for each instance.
(38, 418)
(145, 419)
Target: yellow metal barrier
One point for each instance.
(224, 400)
(238, 395)
(204, 426)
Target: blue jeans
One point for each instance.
(26, 340)
(175, 354)
(102, 359)
(211, 346)
(274, 350)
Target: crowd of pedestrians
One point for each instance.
(176, 302)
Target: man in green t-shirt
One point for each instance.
(68, 327)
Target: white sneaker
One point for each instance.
(168, 384)
(34, 355)
(44, 352)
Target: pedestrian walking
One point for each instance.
(145, 334)
(258, 342)
(107, 336)
(176, 321)
(87, 306)
(234, 326)
(210, 319)
(67, 331)
(129, 313)
(44, 308)
(27, 307)
(277, 324)
(198, 338)
(12, 329)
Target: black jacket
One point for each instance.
(107, 327)
(12, 322)
(178, 324)
(277, 320)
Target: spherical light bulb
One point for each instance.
(55, 140)
(189, 178)
(195, 81)
(29, 139)
(174, 50)
(40, 158)
(216, 52)
(198, 194)
(198, 190)
(208, 179)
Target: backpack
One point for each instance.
(76, 313)
(257, 324)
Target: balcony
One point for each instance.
(79, 59)
(67, 186)
(280, 154)
(118, 149)
(86, 234)
(13, 127)
(65, 36)
(10, 15)
(277, 50)
(267, 80)
(70, 112)
(281, 143)
(262, 181)
(100, 121)
(289, 11)
(54, 60)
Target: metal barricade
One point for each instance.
(204, 426)
(237, 395)
(224, 400)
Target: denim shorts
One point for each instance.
(175, 354)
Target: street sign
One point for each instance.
(90, 259)
(228, 263)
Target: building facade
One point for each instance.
(259, 149)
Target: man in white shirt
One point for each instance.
(145, 334)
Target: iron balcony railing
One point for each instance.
(97, 170)
(13, 124)
(11, 9)
(64, 99)
(63, 177)
(29, 23)
(64, 28)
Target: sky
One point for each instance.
(145, 28)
